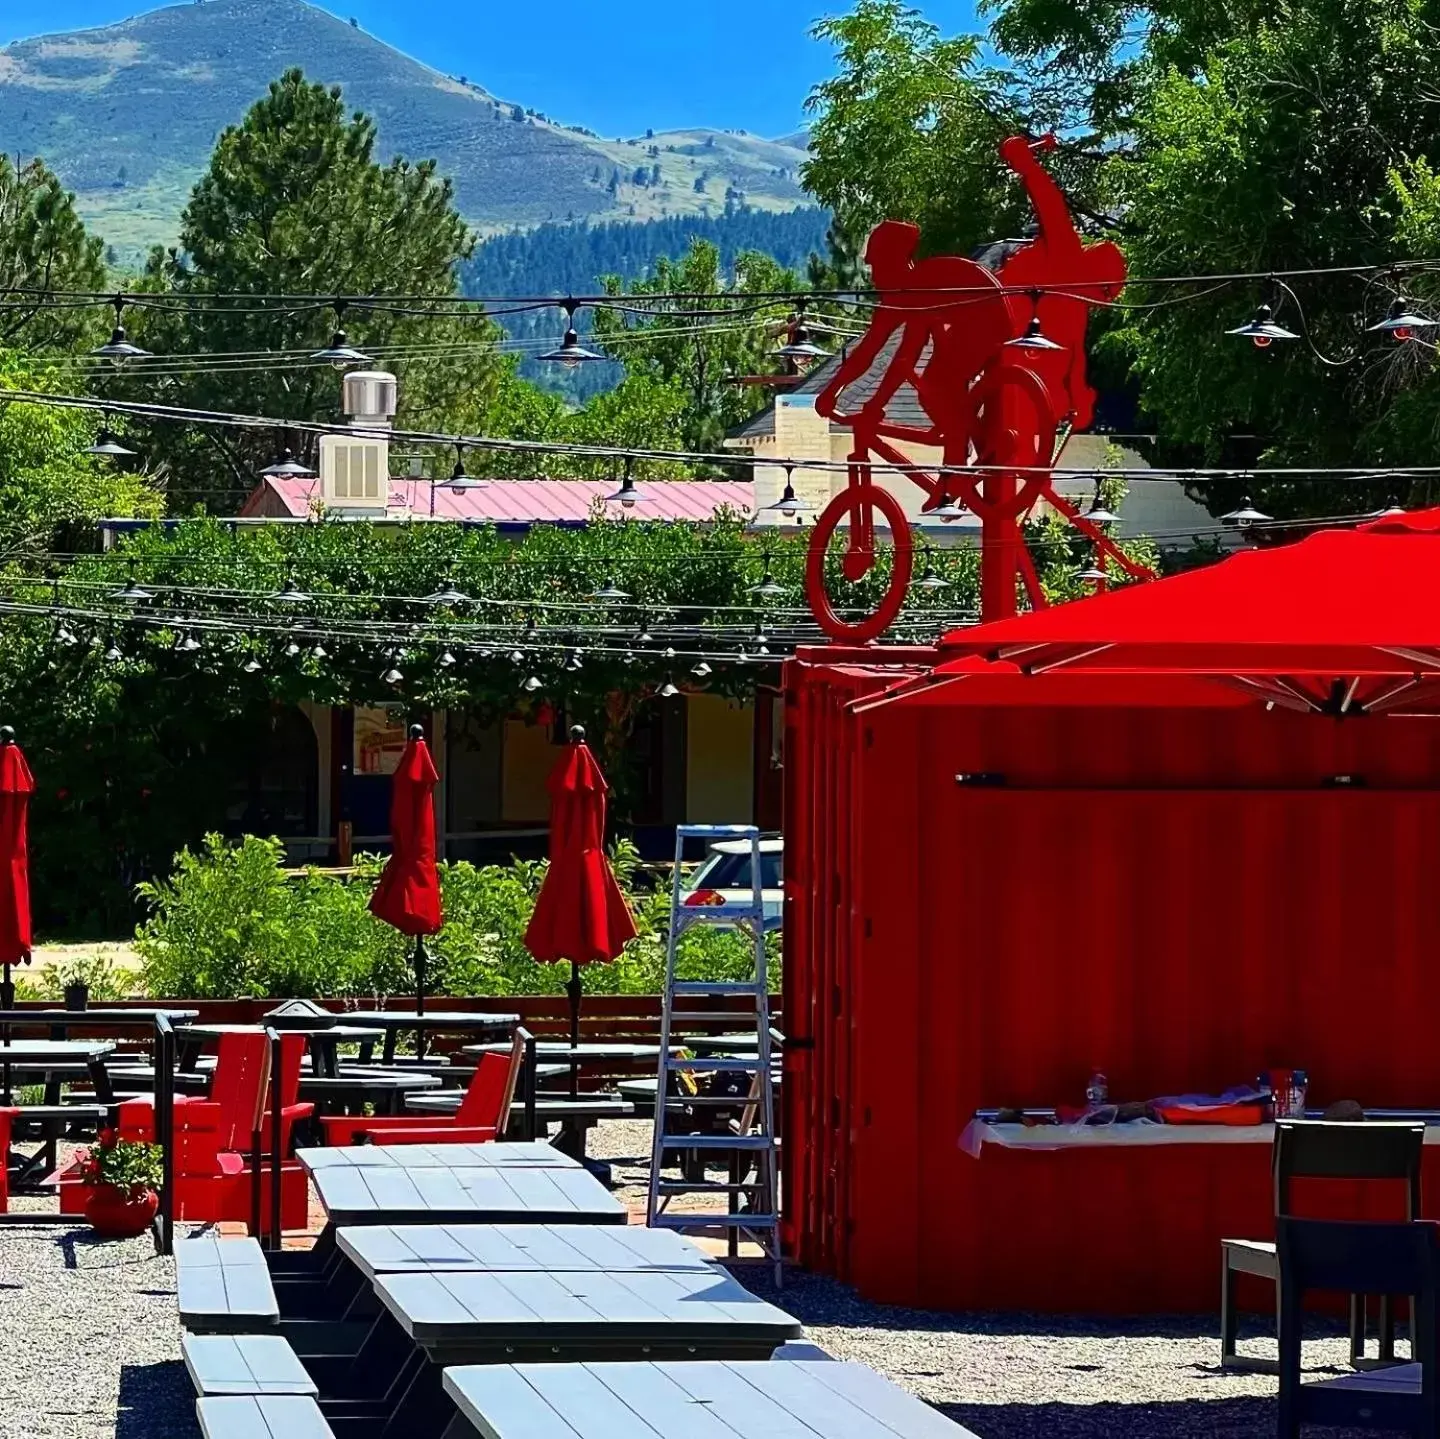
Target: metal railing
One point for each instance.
(165, 1131)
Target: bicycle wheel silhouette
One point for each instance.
(860, 505)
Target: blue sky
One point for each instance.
(617, 66)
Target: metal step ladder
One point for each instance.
(751, 1187)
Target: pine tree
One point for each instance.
(294, 201)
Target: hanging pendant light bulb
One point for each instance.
(287, 467)
(458, 480)
(448, 596)
(186, 643)
(668, 690)
(950, 509)
(1034, 337)
(113, 655)
(799, 349)
(118, 350)
(701, 670)
(340, 354)
(446, 660)
(1261, 330)
(252, 666)
(391, 674)
(1402, 322)
(1247, 514)
(1093, 573)
(290, 594)
(629, 494)
(769, 587)
(570, 352)
(106, 445)
(628, 658)
(131, 593)
(930, 580)
(319, 652)
(574, 662)
(609, 592)
(789, 502)
(532, 683)
(517, 657)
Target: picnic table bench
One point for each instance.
(224, 1286)
(244, 1364)
(263, 1416)
(554, 1248)
(735, 1400)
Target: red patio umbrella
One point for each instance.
(580, 914)
(17, 784)
(408, 894)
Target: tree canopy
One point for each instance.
(1261, 136)
(295, 203)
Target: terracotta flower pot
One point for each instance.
(120, 1213)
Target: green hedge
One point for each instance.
(229, 922)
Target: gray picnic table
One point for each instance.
(479, 1317)
(555, 1248)
(53, 1120)
(396, 1022)
(385, 1090)
(381, 1194)
(598, 1053)
(506, 1155)
(430, 1321)
(727, 1400)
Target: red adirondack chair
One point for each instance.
(6, 1117)
(215, 1136)
(483, 1114)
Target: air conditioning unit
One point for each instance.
(354, 474)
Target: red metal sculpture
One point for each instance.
(997, 365)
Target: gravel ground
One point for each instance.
(90, 1345)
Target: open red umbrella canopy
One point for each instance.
(17, 784)
(408, 894)
(580, 914)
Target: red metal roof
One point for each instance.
(526, 502)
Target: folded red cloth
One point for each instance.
(1211, 1113)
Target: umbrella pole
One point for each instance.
(573, 990)
(420, 958)
(7, 1003)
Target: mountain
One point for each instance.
(571, 259)
(127, 116)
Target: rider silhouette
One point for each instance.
(948, 305)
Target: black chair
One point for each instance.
(1320, 1149)
(1356, 1258)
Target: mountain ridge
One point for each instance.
(127, 115)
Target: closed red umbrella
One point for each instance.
(408, 894)
(580, 914)
(17, 784)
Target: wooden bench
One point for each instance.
(244, 1364)
(224, 1286)
(264, 1416)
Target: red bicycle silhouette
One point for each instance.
(993, 389)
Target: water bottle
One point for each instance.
(1097, 1092)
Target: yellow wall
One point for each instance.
(529, 758)
(720, 745)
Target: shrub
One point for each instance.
(229, 921)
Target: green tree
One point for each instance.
(908, 129)
(702, 355)
(295, 202)
(1300, 143)
(44, 250)
(49, 488)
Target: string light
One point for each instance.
(1034, 337)
(789, 502)
(118, 349)
(106, 445)
(340, 354)
(1246, 515)
(1261, 330)
(570, 352)
(287, 467)
(1402, 322)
